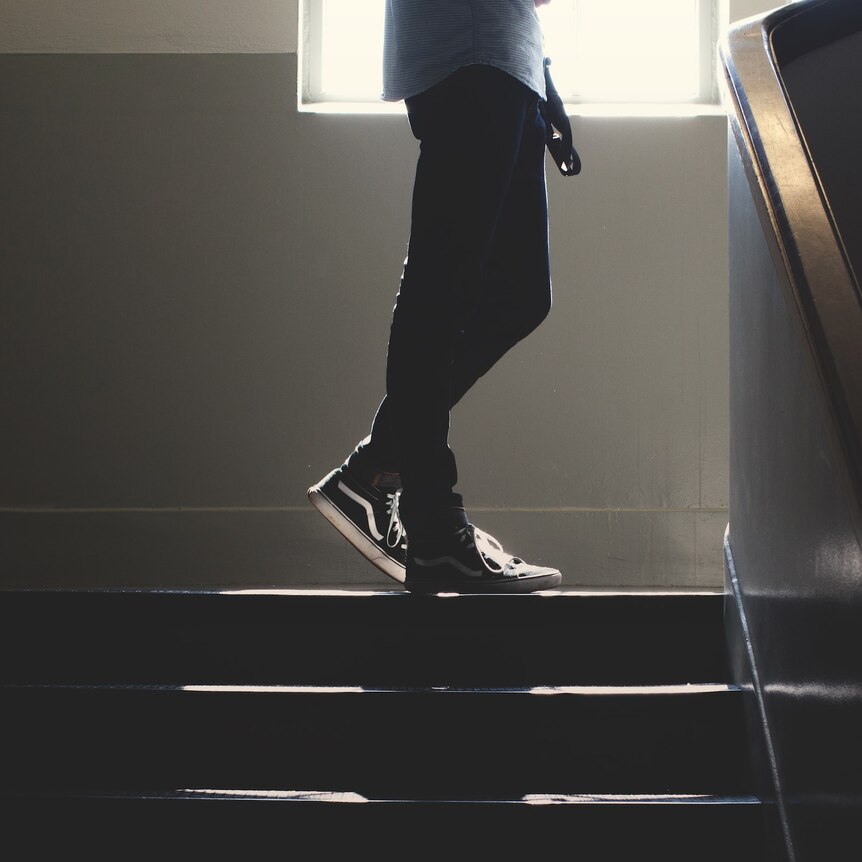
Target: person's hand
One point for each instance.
(542, 2)
(559, 130)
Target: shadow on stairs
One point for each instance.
(597, 725)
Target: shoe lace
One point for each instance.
(491, 554)
(395, 533)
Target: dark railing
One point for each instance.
(794, 540)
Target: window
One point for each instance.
(343, 56)
(615, 55)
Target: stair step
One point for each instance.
(415, 743)
(676, 828)
(352, 638)
(594, 724)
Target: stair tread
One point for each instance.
(564, 699)
(672, 828)
(322, 797)
(355, 608)
(351, 637)
(581, 690)
(417, 741)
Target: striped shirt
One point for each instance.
(426, 40)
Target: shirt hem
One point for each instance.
(399, 96)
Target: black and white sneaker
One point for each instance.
(365, 512)
(472, 561)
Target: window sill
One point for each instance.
(598, 109)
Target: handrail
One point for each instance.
(792, 203)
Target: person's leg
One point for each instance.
(515, 294)
(466, 202)
(475, 282)
(469, 129)
(478, 198)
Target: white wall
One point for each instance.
(148, 26)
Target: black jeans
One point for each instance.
(477, 275)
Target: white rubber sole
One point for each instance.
(355, 536)
(426, 586)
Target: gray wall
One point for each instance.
(197, 284)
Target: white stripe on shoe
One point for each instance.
(354, 534)
(369, 512)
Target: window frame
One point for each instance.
(714, 18)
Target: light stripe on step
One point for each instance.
(687, 688)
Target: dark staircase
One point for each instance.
(315, 724)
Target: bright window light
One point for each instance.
(351, 51)
(625, 50)
(603, 51)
